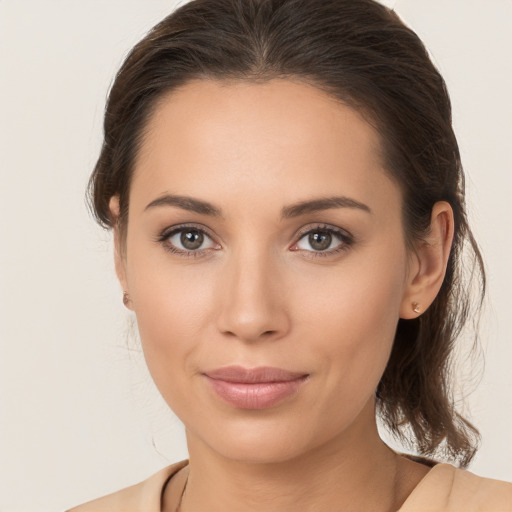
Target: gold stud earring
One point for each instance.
(126, 298)
(415, 307)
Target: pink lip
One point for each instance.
(254, 388)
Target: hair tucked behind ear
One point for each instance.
(361, 53)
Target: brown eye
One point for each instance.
(320, 240)
(323, 240)
(191, 239)
(188, 239)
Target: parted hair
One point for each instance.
(362, 54)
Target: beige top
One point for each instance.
(443, 489)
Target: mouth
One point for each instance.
(254, 388)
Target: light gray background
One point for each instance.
(79, 416)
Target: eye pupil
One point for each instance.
(320, 240)
(192, 239)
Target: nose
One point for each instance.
(252, 300)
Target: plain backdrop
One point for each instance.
(79, 415)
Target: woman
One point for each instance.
(287, 200)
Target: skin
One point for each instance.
(257, 293)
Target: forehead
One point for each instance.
(249, 138)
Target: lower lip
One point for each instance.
(255, 396)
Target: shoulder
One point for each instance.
(145, 495)
(449, 489)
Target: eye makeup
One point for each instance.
(323, 236)
(196, 241)
(192, 235)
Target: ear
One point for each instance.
(427, 265)
(119, 254)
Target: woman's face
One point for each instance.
(263, 231)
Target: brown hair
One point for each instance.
(361, 53)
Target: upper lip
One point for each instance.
(253, 375)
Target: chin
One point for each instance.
(268, 442)
(261, 452)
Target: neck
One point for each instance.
(355, 472)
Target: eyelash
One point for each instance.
(168, 233)
(343, 236)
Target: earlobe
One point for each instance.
(119, 260)
(430, 257)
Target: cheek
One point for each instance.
(172, 304)
(352, 314)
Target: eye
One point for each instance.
(323, 240)
(187, 239)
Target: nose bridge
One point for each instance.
(251, 306)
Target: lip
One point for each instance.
(254, 388)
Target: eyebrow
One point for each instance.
(322, 204)
(294, 210)
(185, 203)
